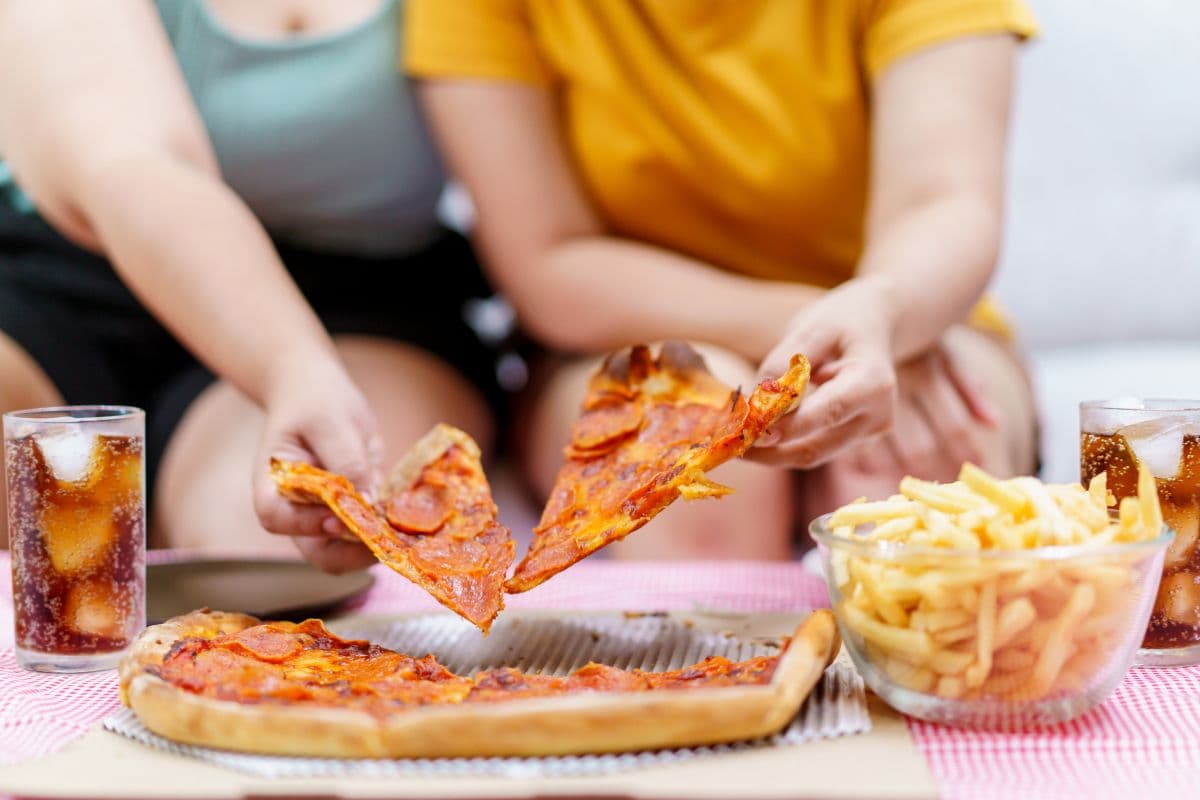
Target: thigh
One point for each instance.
(1007, 449)
(42, 349)
(204, 498)
(753, 523)
(48, 351)
(552, 404)
(23, 384)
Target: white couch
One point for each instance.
(1101, 265)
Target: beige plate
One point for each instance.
(275, 589)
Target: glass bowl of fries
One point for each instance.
(994, 604)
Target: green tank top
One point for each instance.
(319, 135)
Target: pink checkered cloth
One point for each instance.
(1143, 742)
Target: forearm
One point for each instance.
(596, 293)
(933, 261)
(196, 257)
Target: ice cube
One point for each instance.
(1157, 443)
(77, 536)
(1185, 521)
(92, 608)
(68, 453)
(1109, 416)
(1179, 599)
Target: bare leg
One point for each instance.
(1008, 450)
(23, 384)
(753, 523)
(203, 497)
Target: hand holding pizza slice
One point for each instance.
(649, 431)
(438, 523)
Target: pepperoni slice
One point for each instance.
(268, 643)
(420, 510)
(598, 428)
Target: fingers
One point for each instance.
(973, 395)
(342, 449)
(817, 345)
(816, 448)
(859, 401)
(951, 421)
(335, 555)
(342, 452)
(913, 440)
(278, 514)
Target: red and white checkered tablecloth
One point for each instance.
(1143, 742)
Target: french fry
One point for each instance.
(916, 678)
(1011, 659)
(1058, 648)
(876, 592)
(1016, 616)
(1007, 629)
(857, 514)
(940, 619)
(985, 641)
(1098, 490)
(895, 528)
(1147, 496)
(950, 662)
(950, 687)
(1002, 495)
(946, 498)
(889, 637)
(955, 635)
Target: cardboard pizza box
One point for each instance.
(883, 763)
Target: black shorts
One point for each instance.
(69, 310)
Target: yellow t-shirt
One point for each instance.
(734, 131)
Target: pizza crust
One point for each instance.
(425, 451)
(571, 724)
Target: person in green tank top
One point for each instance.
(226, 213)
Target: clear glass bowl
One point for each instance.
(994, 638)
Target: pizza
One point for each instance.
(649, 430)
(234, 682)
(435, 525)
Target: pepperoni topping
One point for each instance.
(421, 510)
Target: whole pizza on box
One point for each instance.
(233, 682)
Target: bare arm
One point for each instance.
(940, 123)
(97, 125)
(933, 230)
(96, 122)
(576, 286)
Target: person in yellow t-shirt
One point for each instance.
(759, 177)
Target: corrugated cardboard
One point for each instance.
(883, 763)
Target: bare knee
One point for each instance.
(873, 468)
(23, 384)
(755, 522)
(730, 368)
(551, 412)
(410, 390)
(204, 496)
(1010, 448)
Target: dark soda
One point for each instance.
(1175, 621)
(78, 546)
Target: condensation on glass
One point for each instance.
(1117, 435)
(77, 532)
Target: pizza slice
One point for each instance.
(649, 430)
(438, 523)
